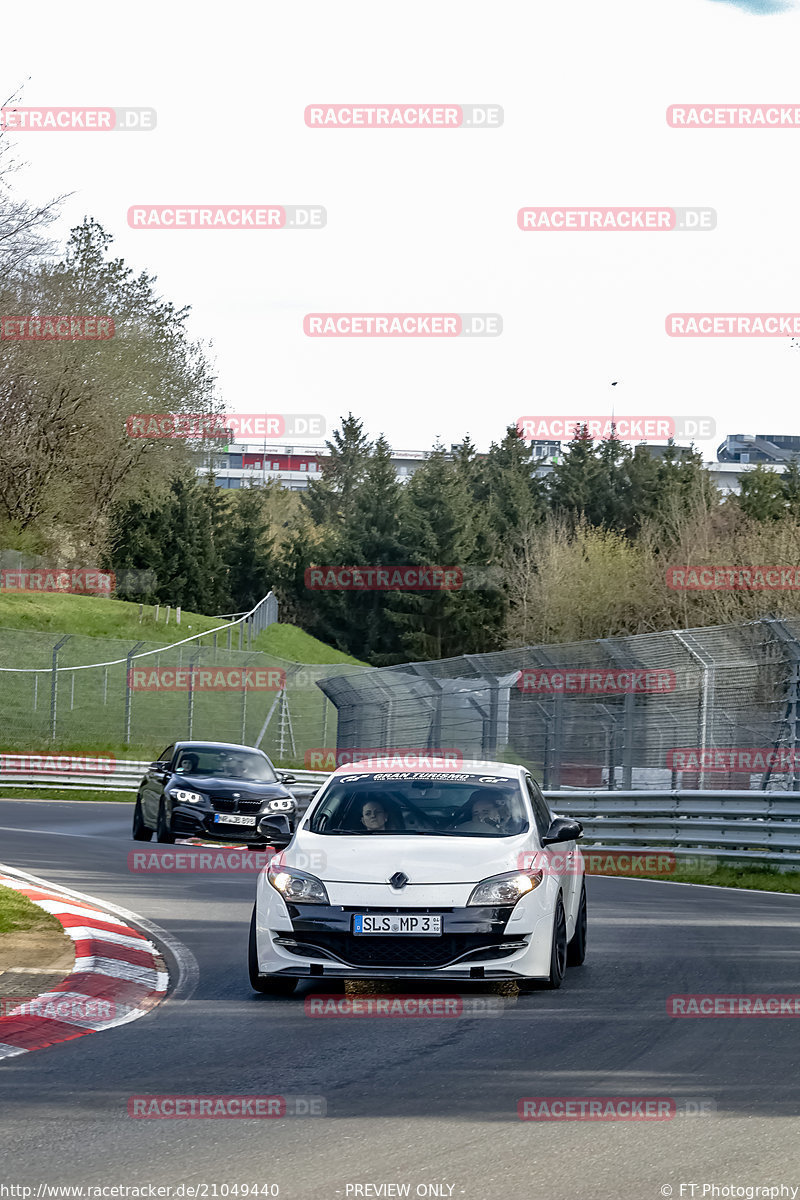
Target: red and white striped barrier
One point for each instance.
(117, 977)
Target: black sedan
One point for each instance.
(215, 790)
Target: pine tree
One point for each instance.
(437, 527)
(329, 500)
(249, 550)
(762, 495)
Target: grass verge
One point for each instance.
(65, 794)
(754, 876)
(19, 915)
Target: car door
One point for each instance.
(560, 858)
(154, 782)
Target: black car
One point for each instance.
(215, 790)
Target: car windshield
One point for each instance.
(433, 804)
(225, 764)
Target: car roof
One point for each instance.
(216, 746)
(476, 766)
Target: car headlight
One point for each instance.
(297, 885)
(505, 889)
(184, 797)
(281, 805)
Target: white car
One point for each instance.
(437, 875)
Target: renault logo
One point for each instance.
(399, 880)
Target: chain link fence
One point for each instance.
(706, 708)
(703, 708)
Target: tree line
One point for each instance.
(580, 552)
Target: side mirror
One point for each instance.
(285, 777)
(562, 829)
(158, 766)
(276, 830)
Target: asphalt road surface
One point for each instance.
(415, 1106)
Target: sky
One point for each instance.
(425, 220)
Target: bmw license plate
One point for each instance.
(398, 923)
(232, 819)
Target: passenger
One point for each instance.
(188, 764)
(486, 815)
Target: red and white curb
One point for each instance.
(118, 976)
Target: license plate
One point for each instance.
(232, 819)
(398, 923)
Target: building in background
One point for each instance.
(294, 464)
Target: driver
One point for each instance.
(376, 818)
(188, 764)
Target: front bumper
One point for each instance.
(316, 941)
(192, 820)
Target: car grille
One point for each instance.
(224, 804)
(376, 951)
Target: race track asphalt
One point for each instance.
(430, 1103)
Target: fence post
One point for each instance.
(192, 662)
(128, 658)
(54, 686)
(705, 692)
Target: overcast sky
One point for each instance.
(425, 220)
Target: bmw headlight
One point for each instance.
(297, 885)
(184, 797)
(505, 889)
(281, 805)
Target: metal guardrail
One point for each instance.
(122, 775)
(728, 825)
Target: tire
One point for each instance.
(558, 955)
(163, 831)
(267, 985)
(140, 832)
(576, 949)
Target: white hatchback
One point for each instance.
(421, 874)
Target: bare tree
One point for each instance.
(21, 223)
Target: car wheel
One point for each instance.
(140, 831)
(268, 985)
(163, 831)
(576, 949)
(558, 955)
